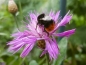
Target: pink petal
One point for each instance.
(51, 14)
(44, 52)
(33, 17)
(16, 48)
(27, 49)
(66, 33)
(52, 48)
(56, 16)
(49, 49)
(55, 47)
(21, 34)
(14, 42)
(65, 20)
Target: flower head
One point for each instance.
(37, 33)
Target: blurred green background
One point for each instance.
(76, 50)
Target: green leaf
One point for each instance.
(62, 48)
(1, 60)
(33, 62)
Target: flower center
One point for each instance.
(41, 43)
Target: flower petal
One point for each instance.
(16, 48)
(49, 49)
(20, 40)
(51, 14)
(66, 33)
(21, 34)
(56, 16)
(65, 20)
(44, 52)
(52, 48)
(27, 49)
(33, 17)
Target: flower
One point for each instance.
(36, 33)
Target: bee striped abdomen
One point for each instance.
(50, 27)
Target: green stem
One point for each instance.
(20, 9)
(22, 61)
(47, 59)
(42, 61)
(16, 22)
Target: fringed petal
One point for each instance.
(56, 17)
(33, 17)
(52, 14)
(63, 22)
(65, 33)
(27, 49)
(52, 48)
(16, 48)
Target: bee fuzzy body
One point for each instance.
(47, 22)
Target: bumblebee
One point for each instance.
(49, 25)
(47, 22)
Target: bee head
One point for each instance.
(44, 20)
(41, 16)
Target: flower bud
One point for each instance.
(12, 7)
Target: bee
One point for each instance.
(49, 25)
(47, 22)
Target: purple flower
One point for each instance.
(35, 33)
